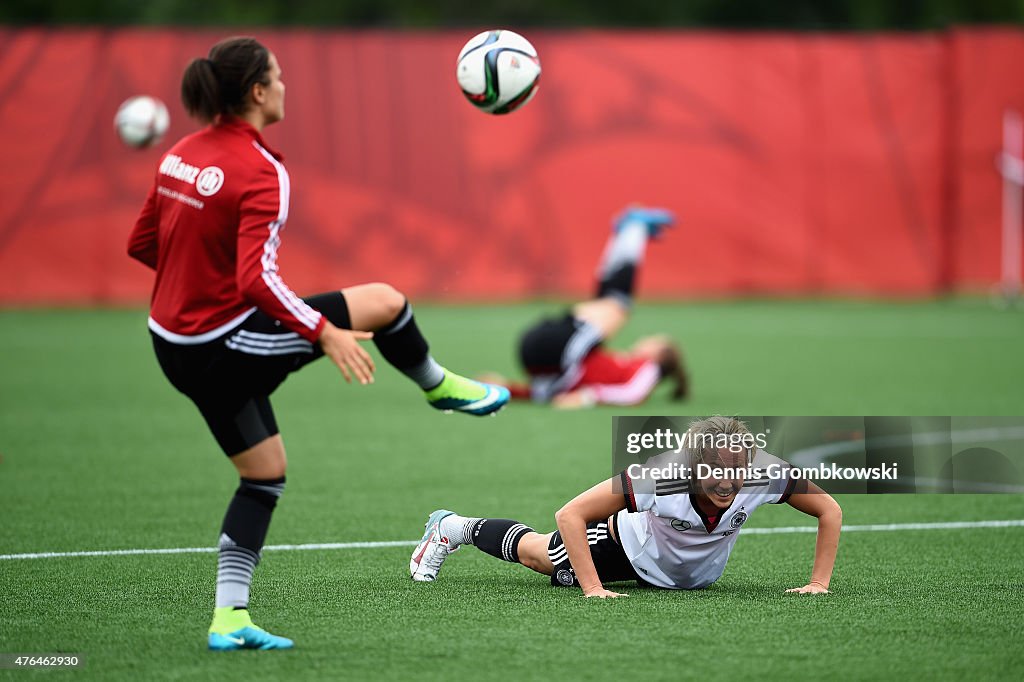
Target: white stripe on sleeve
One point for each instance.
(295, 305)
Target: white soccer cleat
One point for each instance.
(433, 549)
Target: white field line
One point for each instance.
(880, 527)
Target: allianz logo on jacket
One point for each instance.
(208, 181)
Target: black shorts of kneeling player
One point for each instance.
(609, 559)
(230, 379)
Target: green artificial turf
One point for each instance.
(99, 453)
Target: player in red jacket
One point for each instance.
(226, 328)
(566, 359)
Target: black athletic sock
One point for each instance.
(241, 538)
(618, 284)
(402, 345)
(499, 537)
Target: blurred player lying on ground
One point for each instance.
(565, 357)
(672, 533)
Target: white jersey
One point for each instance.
(669, 540)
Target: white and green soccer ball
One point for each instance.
(498, 71)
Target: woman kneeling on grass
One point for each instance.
(668, 533)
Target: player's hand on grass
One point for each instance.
(810, 588)
(602, 593)
(342, 347)
(575, 400)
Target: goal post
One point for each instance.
(1011, 167)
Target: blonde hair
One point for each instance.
(705, 436)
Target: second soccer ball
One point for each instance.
(141, 121)
(498, 71)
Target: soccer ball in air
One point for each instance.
(141, 121)
(498, 71)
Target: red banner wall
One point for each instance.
(799, 163)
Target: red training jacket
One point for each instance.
(211, 229)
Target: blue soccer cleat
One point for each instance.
(656, 219)
(250, 637)
(232, 629)
(459, 394)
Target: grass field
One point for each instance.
(99, 453)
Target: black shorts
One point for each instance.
(231, 378)
(609, 559)
(552, 352)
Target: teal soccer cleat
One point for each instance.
(656, 219)
(232, 629)
(250, 637)
(459, 394)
